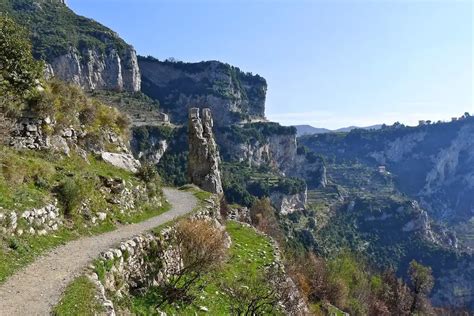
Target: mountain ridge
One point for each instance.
(306, 129)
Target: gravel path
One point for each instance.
(35, 289)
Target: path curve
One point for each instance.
(35, 289)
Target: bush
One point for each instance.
(263, 217)
(69, 194)
(202, 247)
(147, 172)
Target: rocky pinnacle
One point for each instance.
(203, 162)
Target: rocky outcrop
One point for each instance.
(77, 49)
(154, 152)
(122, 160)
(203, 161)
(309, 167)
(36, 133)
(289, 203)
(231, 94)
(27, 133)
(92, 69)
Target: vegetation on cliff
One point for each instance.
(55, 28)
(231, 94)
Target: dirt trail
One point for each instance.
(35, 289)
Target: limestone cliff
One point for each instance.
(289, 203)
(268, 144)
(91, 69)
(231, 94)
(76, 49)
(203, 161)
(432, 163)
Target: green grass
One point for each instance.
(248, 254)
(201, 195)
(78, 299)
(28, 179)
(17, 252)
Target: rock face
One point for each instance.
(289, 203)
(123, 161)
(231, 94)
(271, 145)
(77, 49)
(203, 162)
(276, 151)
(432, 163)
(92, 69)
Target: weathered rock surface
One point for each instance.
(154, 152)
(289, 203)
(123, 161)
(203, 162)
(432, 163)
(91, 69)
(231, 94)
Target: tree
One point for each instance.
(313, 278)
(19, 71)
(396, 294)
(422, 282)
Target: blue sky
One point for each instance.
(327, 63)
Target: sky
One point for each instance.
(328, 63)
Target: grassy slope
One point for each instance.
(79, 299)
(249, 253)
(28, 179)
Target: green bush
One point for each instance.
(69, 194)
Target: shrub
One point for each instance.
(201, 247)
(148, 172)
(264, 218)
(69, 194)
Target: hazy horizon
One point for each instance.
(328, 64)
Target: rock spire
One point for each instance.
(203, 162)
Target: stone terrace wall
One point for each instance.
(142, 261)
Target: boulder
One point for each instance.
(123, 161)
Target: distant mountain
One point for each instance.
(310, 130)
(350, 128)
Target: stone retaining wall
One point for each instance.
(142, 261)
(38, 221)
